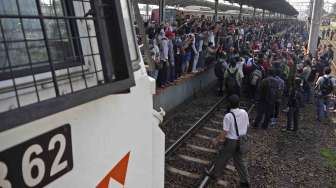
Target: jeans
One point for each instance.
(276, 109)
(200, 64)
(293, 116)
(264, 110)
(195, 62)
(163, 74)
(172, 73)
(178, 65)
(220, 82)
(322, 104)
(307, 93)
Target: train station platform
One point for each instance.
(170, 97)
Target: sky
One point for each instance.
(303, 4)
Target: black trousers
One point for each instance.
(276, 110)
(293, 116)
(220, 82)
(229, 151)
(264, 111)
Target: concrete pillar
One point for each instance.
(240, 11)
(162, 11)
(216, 11)
(315, 26)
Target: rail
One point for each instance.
(191, 130)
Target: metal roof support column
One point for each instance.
(263, 13)
(315, 26)
(216, 10)
(240, 11)
(310, 13)
(254, 11)
(147, 11)
(162, 11)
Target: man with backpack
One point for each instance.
(268, 95)
(233, 78)
(324, 88)
(220, 68)
(255, 78)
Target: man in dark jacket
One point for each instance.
(266, 99)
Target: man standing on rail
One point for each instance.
(235, 126)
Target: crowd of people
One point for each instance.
(329, 34)
(266, 61)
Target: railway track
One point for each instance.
(189, 155)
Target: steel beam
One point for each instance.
(240, 11)
(162, 7)
(216, 10)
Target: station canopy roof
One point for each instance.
(278, 6)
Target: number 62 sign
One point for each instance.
(38, 161)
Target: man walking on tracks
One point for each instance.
(235, 146)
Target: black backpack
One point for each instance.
(326, 86)
(231, 82)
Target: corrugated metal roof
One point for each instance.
(279, 6)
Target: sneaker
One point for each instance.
(244, 185)
(285, 130)
(286, 110)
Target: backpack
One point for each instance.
(256, 76)
(327, 86)
(231, 82)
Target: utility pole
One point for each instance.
(216, 11)
(315, 26)
(162, 11)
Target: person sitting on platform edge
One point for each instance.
(235, 123)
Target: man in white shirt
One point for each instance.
(230, 147)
